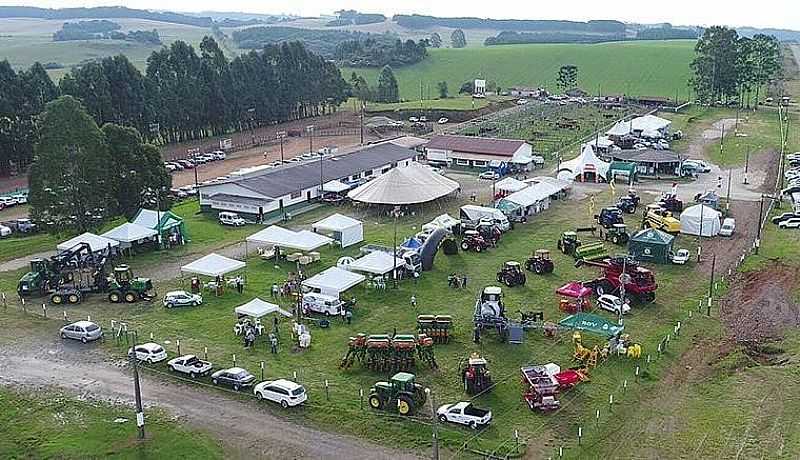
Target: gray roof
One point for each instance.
(238, 199)
(278, 182)
(646, 156)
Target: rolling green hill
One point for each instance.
(642, 68)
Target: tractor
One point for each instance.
(490, 313)
(568, 243)
(474, 241)
(671, 203)
(540, 262)
(511, 274)
(476, 376)
(628, 203)
(609, 217)
(617, 234)
(401, 393)
(640, 282)
(124, 286)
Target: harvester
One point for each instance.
(437, 327)
(401, 393)
(659, 218)
(476, 376)
(382, 353)
(639, 282)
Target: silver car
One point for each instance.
(85, 331)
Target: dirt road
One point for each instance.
(247, 427)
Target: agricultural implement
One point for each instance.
(540, 262)
(617, 234)
(574, 297)
(401, 393)
(382, 353)
(671, 203)
(540, 388)
(476, 376)
(659, 218)
(591, 251)
(436, 327)
(638, 281)
(511, 274)
(617, 342)
(490, 313)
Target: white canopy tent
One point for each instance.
(407, 185)
(129, 233)
(647, 126)
(257, 308)
(510, 185)
(213, 265)
(96, 243)
(586, 163)
(700, 218)
(346, 230)
(377, 262)
(335, 186)
(333, 281)
(278, 236)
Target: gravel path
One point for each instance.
(248, 428)
(16, 264)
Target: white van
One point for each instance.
(728, 226)
(471, 215)
(231, 218)
(320, 303)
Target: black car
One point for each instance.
(234, 377)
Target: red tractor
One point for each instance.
(476, 376)
(474, 241)
(640, 283)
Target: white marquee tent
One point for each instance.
(213, 265)
(535, 198)
(408, 185)
(587, 162)
(510, 185)
(96, 242)
(346, 230)
(335, 186)
(377, 262)
(257, 308)
(333, 281)
(129, 233)
(647, 126)
(700, 218)
(278, 236)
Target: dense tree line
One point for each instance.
(379, 53)
(319, 41)
(667, 32)
(103, 29)
(103, 12)
(728, 67)
(353, 17)
(416, 21)
(514, 38)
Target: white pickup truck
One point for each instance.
(190, 364)
(464, 413)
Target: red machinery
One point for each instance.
(540, 388)
(574, 297)
(639, 281)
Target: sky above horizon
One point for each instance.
(766, 13)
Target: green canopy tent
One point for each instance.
(623, 172)
(591, 323)
(651, 245)
(170, 226)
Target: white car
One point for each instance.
(464, 413)
(413, 119)
(284, 392)
(613, 304)
(21, 198)
(700, 165)
(219, 154)
(522, 102)
(148, 352)
(182, 299)
(443, 120)
(728, 226)
(790, 223)
(7, 202)
(681, 257)
(490, 175)
(190, 364)
(5, 231)
(231, 218)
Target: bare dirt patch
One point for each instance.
(717, 128)
(729, 249)
(760, 305)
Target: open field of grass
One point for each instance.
(50, 425)
(633, 68)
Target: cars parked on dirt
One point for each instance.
(5, 231)
(464, 413)
(699, 165)
(85, 331)
(728, 227)
(7, 202)
(182, 299)
(190, 365)
(149, 352)
(489, 175)
(783, 217)
(281, 391)
(443, 120)
(613, 304)
(234, 377)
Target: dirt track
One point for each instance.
(249, 428)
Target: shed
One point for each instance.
(213, 265)
(96, 243)
(129, 234)
(624, 170)
(257, 308)
(333, 281)
(651, 245)
(346, 230)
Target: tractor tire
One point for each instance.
(538, 269)
(130, 297)
(478, 248)
(603, 287)
(375, 402)
(465, 246)
(114, 297)
(56, 299)
(615, 239)
(73, 298)
(405, 405)
(508, 282)
(499, 278)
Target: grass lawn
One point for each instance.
(658, 68)
(384, 311)
(50, 425)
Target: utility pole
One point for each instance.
(729, 188)
(760, 217)
(746, 165)
(137, 390)
(711, 285)
(310, 131)
(361, 113)
(434, 427)
(281, 135)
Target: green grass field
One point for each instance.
(633, 68)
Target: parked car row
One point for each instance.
(183, 192)
(9, 201)
(22, 225)
(195, 161)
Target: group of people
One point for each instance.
(290, 286)
(455, 281)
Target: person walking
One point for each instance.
(414, 301)
(273, 344)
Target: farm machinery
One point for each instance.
(619, 344)
(610, 216)
(638, 281)
(659, 218)
(540, 262)
(437, 327)
(400, 393)
(124, 286)
(475, 375)
(511, 274)
(612, 226)
(617, 234)
(490, 313)
(474, 241)
(574, 297)
(671, 203)
(542, 384)
(382, 353)
(628, 203)
(570, 245)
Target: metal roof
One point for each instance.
(646, 156)
(227, 198)
(482, 145)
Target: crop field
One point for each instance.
(634, 68)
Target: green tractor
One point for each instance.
(34, 282)
(617, 234)
(400, 393)
(568, 243)
(124, 286)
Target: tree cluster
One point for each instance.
(351, 17)
(103, 29)
(416, 21)
(107, 12)
(512, 38)
(386, 89)
(457, 39)
(378, 53)
(567, 77)
(727, 66)
(667, 32)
